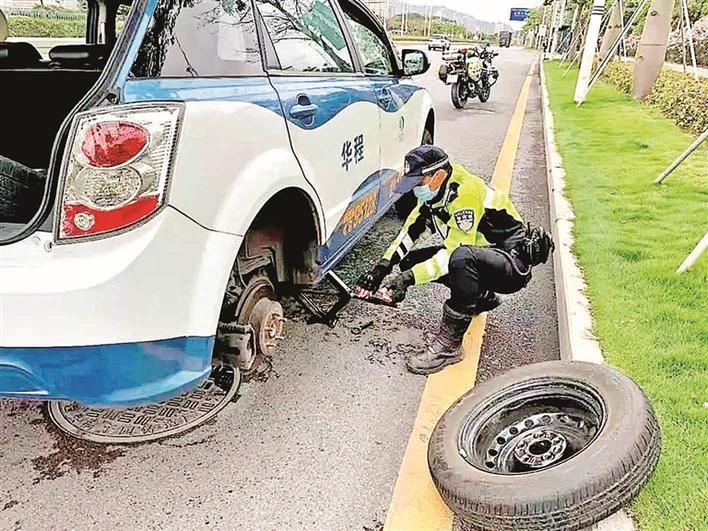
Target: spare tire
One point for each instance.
(21, 191)
(549, 446)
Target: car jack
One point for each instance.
(331, 316)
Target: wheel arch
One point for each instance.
(426, 114)
(430, 123)
(285, 231)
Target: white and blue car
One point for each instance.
(161, 184)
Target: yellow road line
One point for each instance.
(416, 504)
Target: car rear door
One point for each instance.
(332, 113)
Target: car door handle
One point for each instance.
(302, 111)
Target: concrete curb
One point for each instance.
(574, 320)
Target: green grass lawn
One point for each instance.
(630, 238)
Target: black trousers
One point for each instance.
(474, 271)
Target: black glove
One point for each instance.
(538, 246)
(397, 287)
(372, 280)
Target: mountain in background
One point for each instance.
(471, 23)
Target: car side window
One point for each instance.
(306, 35)
(374, 52)
(200, 38)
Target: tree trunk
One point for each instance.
(614, 29)
(651, 52)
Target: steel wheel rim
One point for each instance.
(532, 426)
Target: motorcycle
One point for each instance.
(470, 73)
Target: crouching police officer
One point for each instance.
(487, 250)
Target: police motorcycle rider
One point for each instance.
(487, 250)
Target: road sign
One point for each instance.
(519, 14)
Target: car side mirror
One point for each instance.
(415, 62)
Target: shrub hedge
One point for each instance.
(674, 50)
(46, 27)
(675, 94)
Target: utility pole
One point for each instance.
(429, 21)
(386, 14)
(547, 27)
(598, 10)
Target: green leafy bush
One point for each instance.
(675, 46)
(675, 94)
(46, 27)
(619, 75)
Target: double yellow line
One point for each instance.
(416, 504)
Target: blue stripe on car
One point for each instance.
(255, 90)
(120, 375)
(339, 243)
(340, 93)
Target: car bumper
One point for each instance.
(123, 321)
(120, 375)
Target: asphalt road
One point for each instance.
(317, 441)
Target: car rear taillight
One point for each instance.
(110, 144)
(117, 169)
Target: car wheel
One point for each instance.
(405, 205)
(552, 446)
(459, 95)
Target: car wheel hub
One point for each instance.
(559, 422)
(267, 321)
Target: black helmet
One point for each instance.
(422, 161)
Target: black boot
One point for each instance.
(445, 348)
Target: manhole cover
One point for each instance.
(148, 423)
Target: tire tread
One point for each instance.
(577, 509)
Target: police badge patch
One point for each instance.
(465, 219)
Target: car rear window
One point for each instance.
(200, 38)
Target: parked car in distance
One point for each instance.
(439, 42)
